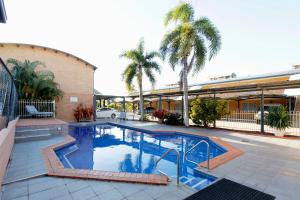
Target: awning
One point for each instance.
(3, 17)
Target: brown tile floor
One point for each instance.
(40, 122)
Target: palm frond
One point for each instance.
(141, 46)
(152, 65)
(200, 54)
(152, 55)
(132, 55)
(129, 74)
(170, 42)
(150, 75)
(207, 28)
(184, 12)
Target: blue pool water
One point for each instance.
(111, 147)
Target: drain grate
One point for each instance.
(228, 190)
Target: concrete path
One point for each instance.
(269, 164)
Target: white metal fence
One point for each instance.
(247, 121)
(40, 105)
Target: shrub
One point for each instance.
(278, 118)
(83, 113)
(160, 114)
(205, 111)
(173, 119)
(32, 83)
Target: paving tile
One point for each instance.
(15, 192)
(140, 195)
(52, 193)
(127, 189)
(169, 196)
(77, 185)
(101, 187)
(15, 185)
(95, 198)
(46, 184)
(85, 193)
(156, 191)
(21, 198)
(66, 197)
(112, 195)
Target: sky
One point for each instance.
(257, 36)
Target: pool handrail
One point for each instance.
(193, 147)
(178, 163)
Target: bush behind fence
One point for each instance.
(248, 122)
(40, 105)
(8, 96)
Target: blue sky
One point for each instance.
(257, 36)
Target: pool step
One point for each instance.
(33, 133)
(197, 183)
(34, 137)
(38, 130)
(41, 131)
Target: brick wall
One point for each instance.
(7, 137)
(75, 76)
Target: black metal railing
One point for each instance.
(8, 96)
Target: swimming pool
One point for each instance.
(111, 147)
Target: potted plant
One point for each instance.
(83, 113)
(278, 118)
(160, 115)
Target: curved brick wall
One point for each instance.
(74, 75)
(7, 137)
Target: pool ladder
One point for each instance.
(185, 157)
(208, 152)
(178, 163)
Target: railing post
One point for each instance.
(208, 156)
(159, 103)
(178, 167)
(262, 113)
(54, 110)
(215, 108)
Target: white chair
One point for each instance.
(122, 116)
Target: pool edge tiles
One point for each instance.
(56, 168)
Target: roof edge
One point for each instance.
(49, 48)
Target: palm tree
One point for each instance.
(189, 44)
(32, 84)
(142, 63)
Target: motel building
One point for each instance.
(233, 90)
(244, 95)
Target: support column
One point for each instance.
(262, 113)
(214, 119)
(182, 112)
(160, 104)
(104, 103)
(94, 107)
(290, 104)
(124, 107)
(100, 104)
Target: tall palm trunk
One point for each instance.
(185, 94)
(140, 82)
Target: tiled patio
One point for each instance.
(268, 164)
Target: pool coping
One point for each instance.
(56, 168)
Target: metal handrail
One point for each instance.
(208, 152)
(178, 162)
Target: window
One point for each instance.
(249, 107)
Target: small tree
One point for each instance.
(141, 64)
(278, 118)
(32, 83)
(205, 111)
